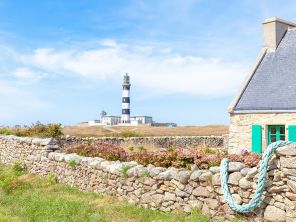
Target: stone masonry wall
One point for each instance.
(240, 129)
(152, 142)
(161, 188)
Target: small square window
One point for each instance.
(276, 133)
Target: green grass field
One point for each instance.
(26, 197)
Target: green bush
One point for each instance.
(42, 130)
(35, 130)
(5, 131)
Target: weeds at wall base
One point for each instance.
(124, 169)
(72, 164)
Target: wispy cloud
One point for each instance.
(27, 74)
(151, 68)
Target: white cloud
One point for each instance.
(109, 42)
(161, 72)
(25, 73)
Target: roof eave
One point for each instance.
(244, 85)
(263, 111)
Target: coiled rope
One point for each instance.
(256, 200)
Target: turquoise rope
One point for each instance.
(256, 200)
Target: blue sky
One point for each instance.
(63, 61)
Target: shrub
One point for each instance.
(42, 130)
(252, 160)
(5, 131)
(173, 157)
(208, 161)
(36, 130)
(142, 157)
(99, 149)
(235, 157)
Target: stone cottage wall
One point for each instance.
(161, 188)
(152, 142)
(240, 129)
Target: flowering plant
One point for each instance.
(174, 157)
(244, 152)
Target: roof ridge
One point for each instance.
(273, 84)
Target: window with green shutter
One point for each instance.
(276, 133)
(292, 133)
(257, 139)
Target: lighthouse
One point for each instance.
(125, 114)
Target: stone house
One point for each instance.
(264, 109)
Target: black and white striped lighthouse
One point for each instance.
(125, 115)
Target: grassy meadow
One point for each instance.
(30, 198)
(128, 131)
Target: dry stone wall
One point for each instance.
(151, 142)
(165, 189)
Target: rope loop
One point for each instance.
(256, 200)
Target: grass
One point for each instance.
(33, 199)
(136, 131)
(145, 174)
(72, 164)
(124, 170)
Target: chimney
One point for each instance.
(274, 30)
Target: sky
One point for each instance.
(63, 61)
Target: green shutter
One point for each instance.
(292, 133)
(257, 139)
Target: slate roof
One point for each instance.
(273, 85)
